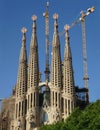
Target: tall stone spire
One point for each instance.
(33, 80)
(33, 67)
(21, 86)
(68, 78)
(56, 74)
(22, 71)
(68, 68)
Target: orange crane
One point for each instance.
(82, 20)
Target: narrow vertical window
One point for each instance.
(31, 101)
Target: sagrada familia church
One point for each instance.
(33, 102)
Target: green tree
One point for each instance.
(87, 119)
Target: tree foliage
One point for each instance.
(87, 119)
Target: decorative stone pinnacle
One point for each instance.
(23, 30)
(34, 17)
(55, 16)
(66, 27)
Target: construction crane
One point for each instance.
(86, 78)
(82, 20)
(46, 15)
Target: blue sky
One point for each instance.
(14, 14)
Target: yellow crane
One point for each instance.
(82, 20)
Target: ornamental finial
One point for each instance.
(23, 30)
(66, 27)
(34, 17)
(55, 16)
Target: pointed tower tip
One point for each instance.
(23, 30)
(55, 16)
(67, 27)
(67, 42)
(34, 17)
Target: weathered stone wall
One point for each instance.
(7, 112)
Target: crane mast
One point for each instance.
(46, 15)
(82, 19)
(85, 66)
(86, 78)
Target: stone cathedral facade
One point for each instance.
(34, 102)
